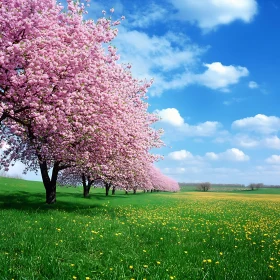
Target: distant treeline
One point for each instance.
(225, 185)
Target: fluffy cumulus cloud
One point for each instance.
(253, 85)
(274, 159)
(172, 117)
(180, 155)
(219, 76)
(233, 154)
(259, 123)
(208, 14)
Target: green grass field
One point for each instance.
(186, 235)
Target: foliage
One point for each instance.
(254, 186)
(204, 187)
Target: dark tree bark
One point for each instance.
(126, 192)
(107, 186)
(49, 184)
(87, 183)
(134, 191)
(113, 190)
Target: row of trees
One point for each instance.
(67, 108)
(206, 186)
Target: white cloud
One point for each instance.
(272, 142)
(170, 116)
(208, 14)
(212, 156)
(253, 85)
(159, 57)
(144, 17)
(246, 141)
(219, 76)
(251, 141)
(205, 129)
(259, 123)
(274, 159)
(155, 56)
(233, 154)
(233, 100)
(180, 155)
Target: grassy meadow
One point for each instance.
(155, 236)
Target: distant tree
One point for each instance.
(254, 186)
(204, 187)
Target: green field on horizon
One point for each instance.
(153, 236)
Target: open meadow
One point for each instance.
(155, 236)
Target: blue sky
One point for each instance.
(216, 83)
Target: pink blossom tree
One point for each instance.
(64, 100)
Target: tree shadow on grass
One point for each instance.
(35, 202)
(66, 201)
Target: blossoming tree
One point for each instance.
(64, 100)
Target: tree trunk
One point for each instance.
(114, 190)
(134, 191)
(87, 183)
(86, 188)
(49, 184)
(126, 192)
(107, 186)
